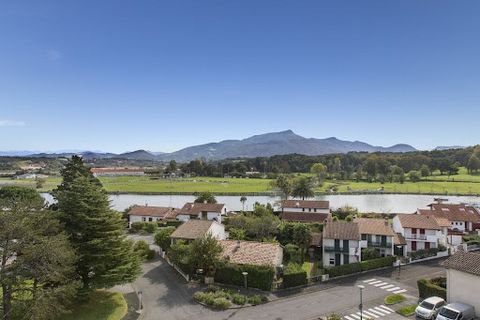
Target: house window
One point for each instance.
(427, 245)
(346, 259)
(150, 219)
(144, 219)
(315, 210)
(309, 209)
(332, 261)
(364, 237)
(303, 209)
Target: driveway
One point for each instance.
(166, 295)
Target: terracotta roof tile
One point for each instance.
(374, 226)
(399, 240)
(193, 229)
(252, 252)
(162, 212)
(192, 208)
(418, 221)
(304, 216)
(468, 262)
(341, 230)
(312, 204)
(452, 212)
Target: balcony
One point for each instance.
(379, 244)
(336, 249)
(416, 237)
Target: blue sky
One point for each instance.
(162, 75)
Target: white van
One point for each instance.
(429, 308)
(456, 311)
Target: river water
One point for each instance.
(386, 203)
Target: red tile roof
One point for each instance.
(162, 212)
(418, 221)
(468, 262)
(452, 212)
(192, 208)
(341, 230)
(252, 252)
(304, 216)
(193, 229)
(374, 226)
(312, 204)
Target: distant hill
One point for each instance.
(440, 148)
(262, 145)
(276, 143)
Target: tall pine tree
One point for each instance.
(105, 257)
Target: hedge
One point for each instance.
(424, 253)
(260, 277)
(427, 289)
(296, 279)
(360, 266)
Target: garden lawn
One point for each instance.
(394, 299)
(102, 305)
(408, 310)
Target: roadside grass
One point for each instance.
(101, 305)
(394, 299)
(408, 310)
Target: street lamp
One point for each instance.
(360, 306)
(140, 307)
(245, 274)
(399, 259)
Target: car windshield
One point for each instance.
(447, 313)
(426, 305)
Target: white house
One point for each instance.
(462, 218)
(151, 213)
(376, 233)
(306, 206)
(203, 211)
(195, 229)
(341, 243)
(420, 231)
(463, 278)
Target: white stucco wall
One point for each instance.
(217, 231)
(287, 209)
(463, 287)
(352, 251)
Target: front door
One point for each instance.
(337, 259)
(414, 245)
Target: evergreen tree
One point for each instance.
(106, 257)
(205, 197)
(303, 188)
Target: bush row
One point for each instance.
(422, 254)
(360, 266)
(260, 277)
(296, 279)
(427, 289)
(151, 227)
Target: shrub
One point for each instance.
(150, 254)
(221, 304)
(439, 281)
(213, 288)
(333, 316)
(394, 299)
(169, 223)
(407, 311)
(294, 276)
(142, 248)
(260, 277)
(136, 227)
(422, 254)
(370, 254)
(150, 227)
(162, 237)
(360, 266)
(255, 300)
(378, 263)
(427, 289)
(239, 299)
(199, 296)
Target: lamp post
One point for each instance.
(360, 306)
(140, 307)
(399, 260)
(245, 274)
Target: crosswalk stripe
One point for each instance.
(399, 291)
(375, 282)
(348, 318)
(376, 312)
(385, 307)
(386, 287)
(381, 284)
(393, 289)
(370, 280)
(370, 314)
(382, 310)
(355, 316)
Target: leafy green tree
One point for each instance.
(36, 259)
(243, 199)
(205, 197)
(106, 257)
(302, 235)
(414, 176)
(162, 238)
(206, 254)
(142, 248)
(370, 254)
(237, 234)
(425, 170)
(172, 166)
(284, 184)
(292, 253)
(263, 227)
(473, 164)
(343, 212)
(303, 188)
(320, 170)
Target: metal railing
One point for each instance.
(379, 244)
(416, 236)
(336, 249)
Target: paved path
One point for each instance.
(167, 296)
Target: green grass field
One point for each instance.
(102, 305)
(436, 184)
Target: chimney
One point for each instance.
(386, 222)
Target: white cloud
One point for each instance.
(11, 123)
(54, 55)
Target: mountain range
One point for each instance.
(263, 145)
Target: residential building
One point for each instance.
(110, 172)
(252, 253)
(420, 231)
(463, 278)
(196, 229)
(376, 233)
(341, 243)
(307, 211)
(203, 211)
(462, 218)
(151, 213)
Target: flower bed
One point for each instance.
(222, 299)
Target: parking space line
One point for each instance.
(382, 310)
(400, 291)
(370, 314)
(375, 282)
(387, 286)
(385, 307)
(393, 289)
(370, 280)
(381, 284)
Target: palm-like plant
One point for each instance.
(303, 187)
(243, 199)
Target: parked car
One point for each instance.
(429, 308)
(456, 311)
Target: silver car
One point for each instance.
(429, 308)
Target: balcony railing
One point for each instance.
(336, 249)
(416, 237)
(379, 244)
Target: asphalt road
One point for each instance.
(167, 296)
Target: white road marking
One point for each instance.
(370, 280)
(393, 289)
(382, 310)
(386, 287)
(376, 312)
(375, 282)
(385, 307)
(381, 284)
(399, 291)
(355, 316)
(348, 318)
(370, 314)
